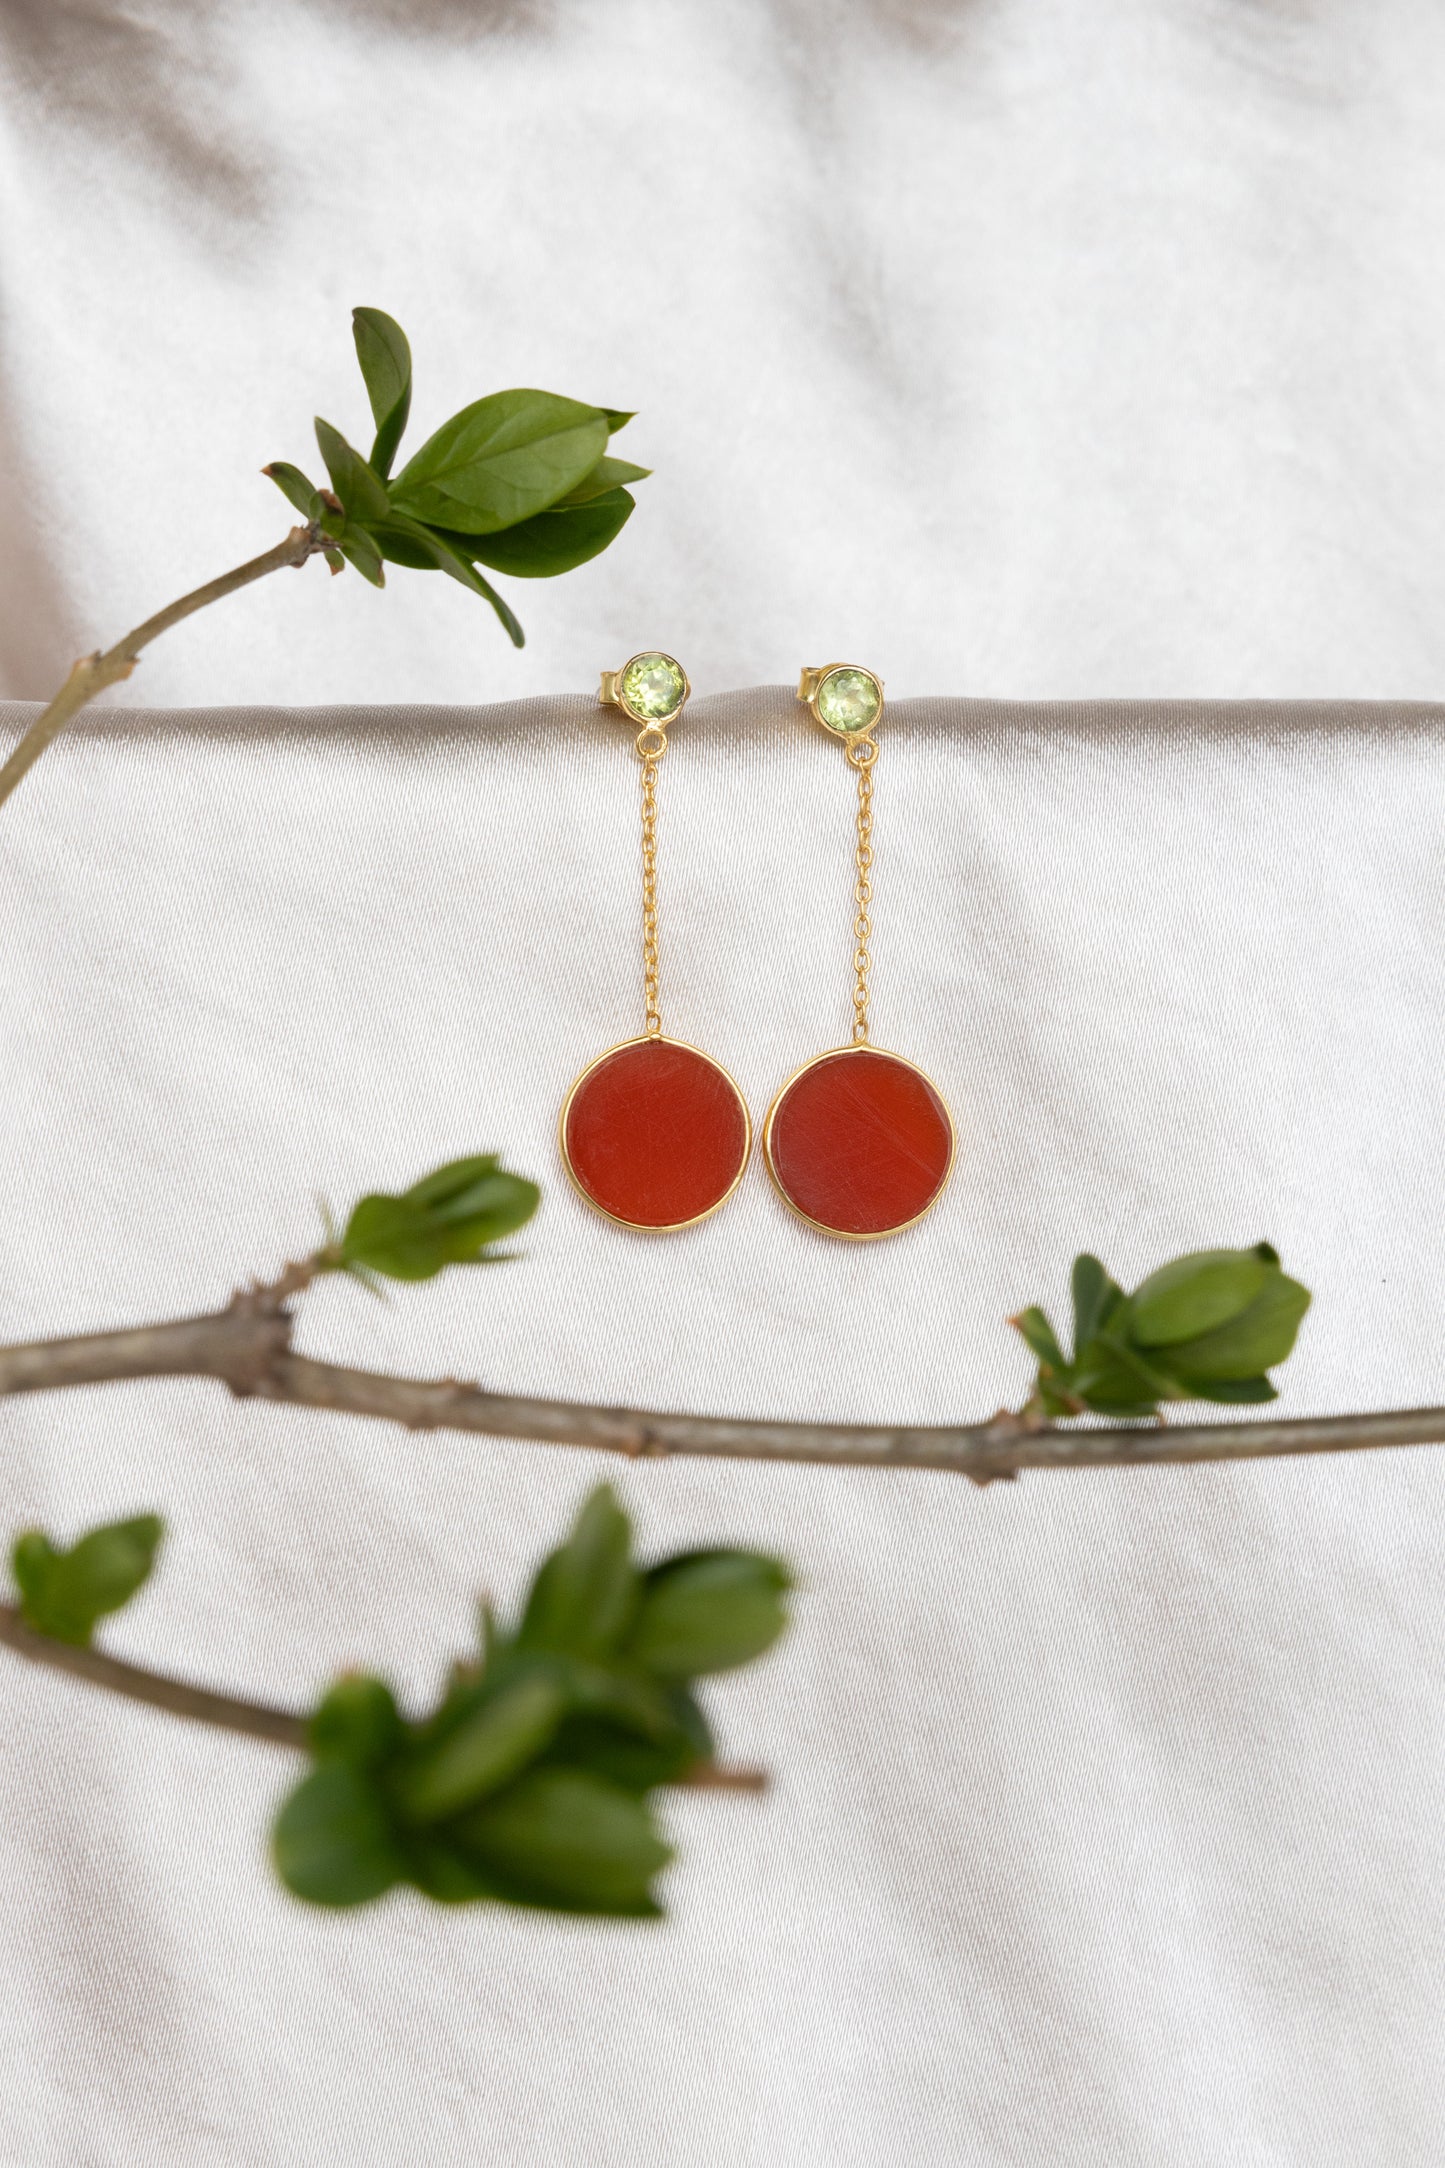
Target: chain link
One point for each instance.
(862, 753)
(651, 745)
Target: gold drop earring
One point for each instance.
(859, 1142)
(654, 1132)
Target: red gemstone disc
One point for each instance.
(859, 1142)
(655, 1134)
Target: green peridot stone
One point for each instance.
(653, 688)
(849, 700)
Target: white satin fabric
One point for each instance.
(1004, 348)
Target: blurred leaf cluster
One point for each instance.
(66, 1593)
(521, 481)
(1204, 1327)
(529, 1784)
(451, 1217)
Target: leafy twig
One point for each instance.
(254, 1719)
(521, 481)
(1206, 1326)
(93, 673)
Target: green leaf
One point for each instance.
(65, 1593)
(556, 541)
(1095, 1298)
(624, 1693)
(608, 475)
(569, 1841)
(604, 1686)
(613, 1750)
(1235, 1392)
(402, 1242)
(1034, 1328)
(446, 1872)
(707, 1611)
(443, 554)
(390, 1236)
(400, 547)
(295, 487)
(690, 1721)
(362, 493)
(492, 1743)
(453, 1187)
(616, 419)
(1206, 1326)
(500, 461)
(358, 548)
(484, 1208)
(333, 1843)
(1113, 1378)
(357, 1721)
(1193, 1294)
(1254, 1341)
(385, 358)
(414, 1235)
(32, 1556)
(1055, 1395)
(583, 1597)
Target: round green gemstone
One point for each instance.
(849, 700)
(653, 688)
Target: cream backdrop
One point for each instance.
(1026, 352)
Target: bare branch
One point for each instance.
(93, 673)
(247, 1347)
(255, 1718)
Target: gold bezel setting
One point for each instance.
(843, 1234)
(655, 1038)
(810, 685)
(610, 693)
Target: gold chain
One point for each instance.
(862, 753)
(651, 745)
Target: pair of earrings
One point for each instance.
(656, 1134)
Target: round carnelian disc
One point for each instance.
(655, 1133)
(860, 1142)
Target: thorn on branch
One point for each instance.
(708, 1776)
(644, 1443)
(267, 1298)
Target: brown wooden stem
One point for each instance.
(93, 673)
(227, 1712)
(255, 1718)
(247, 1347)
